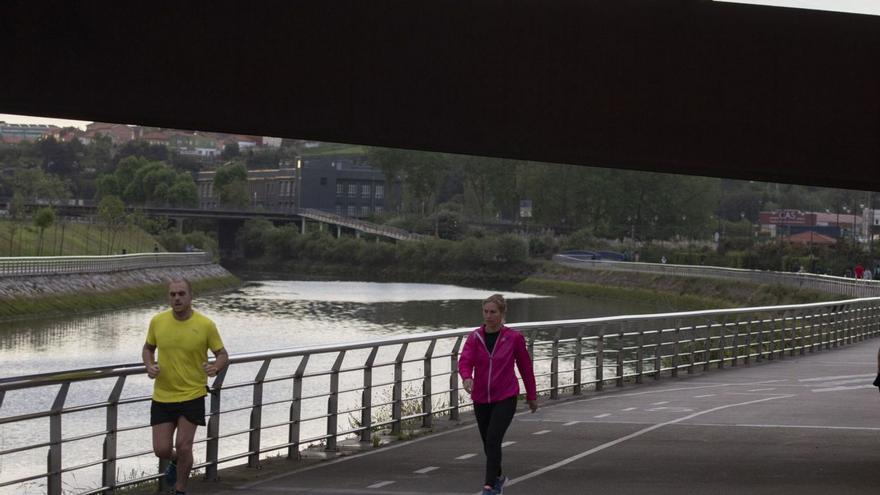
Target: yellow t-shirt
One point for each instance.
(182, 348)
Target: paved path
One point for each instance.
(805, 425)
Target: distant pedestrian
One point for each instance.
(860, 270)
(182, 337)
(663, 259)
(868, 274)
(848, 273)
(486, 368)
(155, 248)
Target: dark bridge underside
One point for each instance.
(687, 86)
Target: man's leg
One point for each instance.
(163, 439)
(186, 432)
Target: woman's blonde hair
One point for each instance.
(499, 301)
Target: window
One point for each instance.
(339, 189)
(351, 211)
(380, 191)
(365, 211)
(365, 191)
(339, 209)
(378, 210)
(352, 190)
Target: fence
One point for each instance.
(401, 382)
(62, 265)
(842, 286)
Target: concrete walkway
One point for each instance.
(805, 425)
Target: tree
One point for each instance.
(43, 219)
(230, 151)
(230, 182)
(111, 211)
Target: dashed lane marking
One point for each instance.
(542, 432)
(466, 456)
(760, 390)
(660, 403)
(629, 409)
(838, 389)
(605, 415)
(570, 423)
(702, 396)
(381, 484)
(636, 434)
(426, 470)
(511, 442)
(838, 377)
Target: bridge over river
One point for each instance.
(769, 400)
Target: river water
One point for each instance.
(260, 316)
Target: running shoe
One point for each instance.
(171, 473)
(498, 487)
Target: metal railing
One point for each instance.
(282, 401)
(363, 226)
(842, 286)
(61, 265)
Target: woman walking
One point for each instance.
(486, 368)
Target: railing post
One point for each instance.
(367, 396)
(676, 335)
(707, 345)
(108, 470)
(658, 356)
(397, 391)
(296, 409)
(578, 350)
(640, 354)
(693, 356)
(453, 380)
(735, 342)
(257, 416)
(53, 471)
(427, 398)
(748, 343)
(600, 359)
(333, 402)
(620, 353)
(554, 366)
(212, 447)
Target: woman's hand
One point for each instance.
(469, 385)
(533, 405)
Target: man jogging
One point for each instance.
(182, 337)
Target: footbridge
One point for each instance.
(766, 399)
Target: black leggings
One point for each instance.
(493, 419)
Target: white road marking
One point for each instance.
(570, 423)
(511, 442)
(843, 382)
(669, 409)
(542, 432)
(381, 484)
(706, 395)
(605, 415)
(660, 403)
(629, 409)
(838, 377)
(639, 433)
(426, 470)
(466, 456)
(760, 390)
(838, 389)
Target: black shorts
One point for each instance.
(169, 412)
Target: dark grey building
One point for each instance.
(342, 185)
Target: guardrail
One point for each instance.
(61, 265)
(823, 283)
(281, 401)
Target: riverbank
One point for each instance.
(53, 296)
(670, 292)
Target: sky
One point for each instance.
(853, 6)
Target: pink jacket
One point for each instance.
(494, 379)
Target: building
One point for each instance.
(790, 222)
(16, 133)
(342, 185)
(119, 134)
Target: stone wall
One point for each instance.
(42, 286)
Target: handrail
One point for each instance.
(822, 283)
(59, 265)
(332, 392)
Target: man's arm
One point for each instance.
(148, 356)
(221, 358)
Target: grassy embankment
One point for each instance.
(79, 303)
(71, 239)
